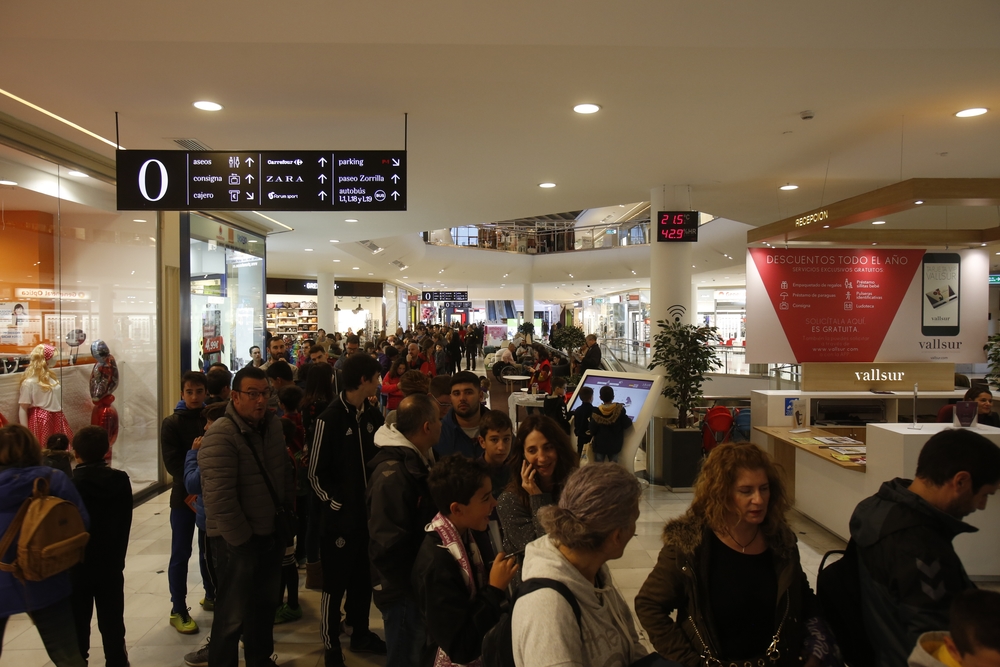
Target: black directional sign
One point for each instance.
(261, 180)
(445, 296)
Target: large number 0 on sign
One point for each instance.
(163, 180)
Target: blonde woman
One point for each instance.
(40, 403)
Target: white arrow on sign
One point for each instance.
(322, 161)
(395, 178)
(395, 162)
(395, 195)
(249, 178)
(249, 196)
(250, 161)
(322, 195)
(322, 177)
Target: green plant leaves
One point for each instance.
(683, 351)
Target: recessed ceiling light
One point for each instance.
(356, 268)
(919, 202)
(874, 244)
(406, 276)
(336, 260)
(587, 108)
(969, 113)
(351, 220)
(136, 220)
(878, 222)
(6, 182)
(77, 173)
(634, 273)
(205, 105)
(826, 226)
(334, 240)
(371, 274)
(546, 185)
(789, 186)
(309, 249)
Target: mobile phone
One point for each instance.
(941, 289)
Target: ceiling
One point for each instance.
(700, 99)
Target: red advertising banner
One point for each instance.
(867, 304)
(835, 305)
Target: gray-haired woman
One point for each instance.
(592, 523)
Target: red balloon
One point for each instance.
(105, 416)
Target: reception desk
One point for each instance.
(828, 493)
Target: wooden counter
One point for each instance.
(786, 451)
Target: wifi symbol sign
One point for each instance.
(676, 311)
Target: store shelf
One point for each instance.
(292, 321)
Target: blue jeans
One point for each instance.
(405, 634)
(249, 591)
(57, 629)
(181, 535)
(601, 458)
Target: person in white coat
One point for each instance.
(593, 521)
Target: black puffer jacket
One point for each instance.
(177, 433)
(909, 570)
(679, 582)
(399, 507)
(107, 494)
(608, 424)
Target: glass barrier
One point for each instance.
(541, 240)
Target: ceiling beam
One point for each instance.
(879, 203)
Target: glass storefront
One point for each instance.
(79, 278)
(226, 293)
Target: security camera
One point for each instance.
(807, 115)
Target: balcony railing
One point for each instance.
(541, 240)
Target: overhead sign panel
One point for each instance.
(261, 180)
(677, 227)
(445, 296)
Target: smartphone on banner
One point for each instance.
(941, 288)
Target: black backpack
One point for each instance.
(838, 587)
(498, 647)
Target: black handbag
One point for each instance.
(284, 521)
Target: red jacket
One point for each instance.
(390, 389)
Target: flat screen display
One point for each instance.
(631, 392)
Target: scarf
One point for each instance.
(470, 562)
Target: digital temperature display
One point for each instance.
(677, 227)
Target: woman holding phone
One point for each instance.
(540, 461)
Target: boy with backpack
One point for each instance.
(100, 579)
(459, 599)
(45, 600)
(608, 424)
(554, 404)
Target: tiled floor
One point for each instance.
(152, 642)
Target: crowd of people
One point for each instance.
(379, 469)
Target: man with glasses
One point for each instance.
(352, 346)
(240, 520)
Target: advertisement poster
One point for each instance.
(862, 305)
(18, 326)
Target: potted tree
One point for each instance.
(527, 328)
(992, 350)
(683, 351)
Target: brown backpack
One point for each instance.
(52, 536)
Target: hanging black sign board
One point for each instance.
(261, 180)
(445, 296)
(677, 226)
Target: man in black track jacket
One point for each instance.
(343, 445)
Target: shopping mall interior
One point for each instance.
(541, 144)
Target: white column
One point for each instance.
(529, 304)
(326, 292)
(669, 276)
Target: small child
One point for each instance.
(459, 601)
(192, 484)
(554, 405)
(99, 579)
(973, 640)
(496, 432)
(608, 424)
(581, 418)
(289, 611)
(484, 388)
(55, 454)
